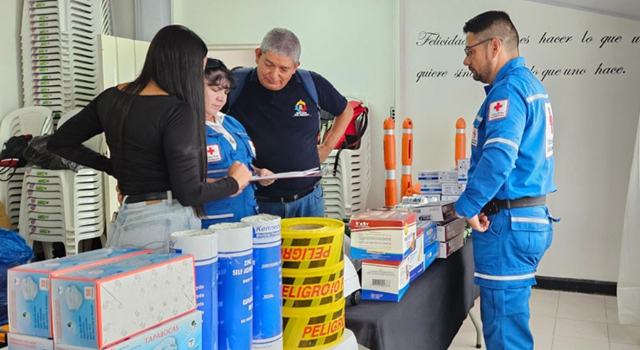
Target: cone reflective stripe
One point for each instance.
(389, 143)
(461, 140)
(407, 157)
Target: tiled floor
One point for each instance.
(567, 321)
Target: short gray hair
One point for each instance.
(283, 42)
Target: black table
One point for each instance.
(429, 315)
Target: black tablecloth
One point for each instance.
(429, 315)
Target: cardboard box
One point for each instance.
(453, 188)
(449, 247)
(29, 301)
(450, 229)
(430, 230)
(450, 198)
(463, 168)
(26, 342)
(438, 175)
(182, 333)
(436, 211)
(384, 280)
(382, 235)
(99, 306)
(431, 253)
(416, 258)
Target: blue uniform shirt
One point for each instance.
(222, 151)
(512, 141)
(284, 126)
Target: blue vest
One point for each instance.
(220, 156)
(512, 142)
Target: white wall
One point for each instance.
(595, 116)
(351, 43)
(10, 89)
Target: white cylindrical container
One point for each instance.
(235, 285)
(203, 245)
(267, 281)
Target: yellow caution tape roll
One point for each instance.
(315, 287)
(309, 243)
(314, 327)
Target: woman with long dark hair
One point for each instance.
(154, 127)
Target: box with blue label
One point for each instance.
(431, 253)
(26, 342)
(382, 234)
(182, 333)
(99, 306)
(29, 301)
(438, 175)
(384, 280)
(416, 258)
(430, 231)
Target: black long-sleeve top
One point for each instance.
(159, 149)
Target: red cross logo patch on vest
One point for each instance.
(213, 153)
(498, 109)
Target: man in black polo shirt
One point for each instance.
(280, 114)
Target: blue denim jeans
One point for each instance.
(311, 205)
(148, 226)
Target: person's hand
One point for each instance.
(241, 174)
(264, 172)
(120, 196)
(323, 152)
(479, 222)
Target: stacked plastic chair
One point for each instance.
(59, 42)
(346, 189)
(35, 121)
(63, 205)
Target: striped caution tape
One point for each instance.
(309, 243)
(311, 288)
(313, 328)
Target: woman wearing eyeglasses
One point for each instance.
(227, 143)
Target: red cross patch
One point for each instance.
(498, 109)
(213, 153)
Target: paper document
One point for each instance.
(314, 172)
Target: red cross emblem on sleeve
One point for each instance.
(213, 153)
(498, 109)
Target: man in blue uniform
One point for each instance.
(511, 173)
(278, 106)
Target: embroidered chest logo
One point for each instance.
(498, 109)
(213, 153)
(300, 109)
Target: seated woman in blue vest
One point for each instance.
(227, 142)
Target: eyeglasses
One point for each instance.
(467, 49)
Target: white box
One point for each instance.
(450, 198)
(436, 211)
(453, 228)
(449, 247)
(463, 168)
(439, 175)
(453, 188)
(29, 301)
(382, 235)
(99, 306)
(182, 333)
(26, 342)
(416, 258)
(384, 280)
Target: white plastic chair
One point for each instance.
(62, 205)
(35, 121)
